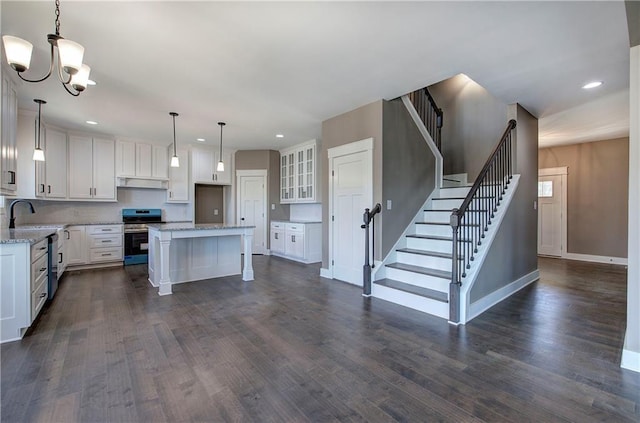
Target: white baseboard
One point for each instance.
(326, 273)
(485, 303)
(595, 259)
(630, 359)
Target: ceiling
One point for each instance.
(268, 68)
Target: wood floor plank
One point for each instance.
(292, 346)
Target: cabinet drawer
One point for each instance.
(38, 249)
(105, 254)
(38, 298)
(104, 229)
(39, 269)
(277, 225)
(105, 241)
(295, 227)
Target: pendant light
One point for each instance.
(175, 162)
(220, 167)
(38, 154)
(70, 69)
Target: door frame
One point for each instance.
(254, 173)
(561, 171)
(366, 146)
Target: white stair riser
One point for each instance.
(448, 204)
(436, 217)
(430, 262)
(429, 245)
(453, 192)
(436, 230)
(418, 279)
(415, 302)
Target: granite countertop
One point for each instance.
(31, 235)
(188, 226)
(297, 221)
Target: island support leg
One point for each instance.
(165, 278)
(247, 272)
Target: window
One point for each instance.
(545, 189)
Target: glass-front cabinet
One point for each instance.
(299, 174)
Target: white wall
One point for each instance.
(93, 212)
(631, 352)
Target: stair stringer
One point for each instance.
(380, 271)
(427, 137)
(481, 255)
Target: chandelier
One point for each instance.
(73, 74)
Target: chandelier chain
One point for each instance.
(57, 17)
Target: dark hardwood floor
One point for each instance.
(291, 346)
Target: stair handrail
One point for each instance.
(368, 218)
(468, 225)
(432, 117)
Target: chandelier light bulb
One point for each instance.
(18, 52)
(70, 55)
(80, 80)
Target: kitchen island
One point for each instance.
(186, 252)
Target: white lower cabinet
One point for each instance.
(94, 244)
(23, 288)
(297, 241)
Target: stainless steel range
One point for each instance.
(136, 237)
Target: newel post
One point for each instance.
(454, 286)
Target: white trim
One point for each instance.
(255, 173)
(563, 171)
(427, 137)
(596, 259)
(485, 303)
(630, 360)
(326, 273)
(550, 171)
(365, 145)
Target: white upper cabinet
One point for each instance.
(52, 182)
(141, 160)
(91, 168)
(204, 162)
(178, 191)
(299, 176)
(8, 140)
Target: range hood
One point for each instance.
(134, 182)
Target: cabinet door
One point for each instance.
(55, 164)
(202, 165)
(104, 175)
(277, 241)
(306, 174)
(283, 178)
(125, 158)
(80, 167)
(144, 157)
(8, 140)
(287, 177)
(178, 191)
(160, 163)
(76, 245)
(294, 244)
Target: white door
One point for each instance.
(351, 187)
(550, 215)
(253, 210)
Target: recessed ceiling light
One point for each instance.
(593, 84)
(92, 122)
(91, 82)
(200, 139)
(279, 136)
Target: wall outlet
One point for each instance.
(215, 212)
(273, 206)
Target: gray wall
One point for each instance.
(513, 253)
(359, 124)
(408, 172)
(269, 160)
(474, 120)
(597, 194)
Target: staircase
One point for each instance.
(419, 275)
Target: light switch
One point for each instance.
(535, 205)
(215, 212)
(388, 204)
(273, 206)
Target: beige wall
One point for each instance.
(359, 124)
(597, 194)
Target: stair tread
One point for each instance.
(413, 289)
(443, 224)
(427, 253)
(439, 238)
(456, 198)
(449, 211)
(422, 270)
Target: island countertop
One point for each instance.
(188, 226)
(31, 235)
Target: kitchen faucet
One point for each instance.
(12, 218)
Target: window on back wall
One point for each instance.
(545, 189)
